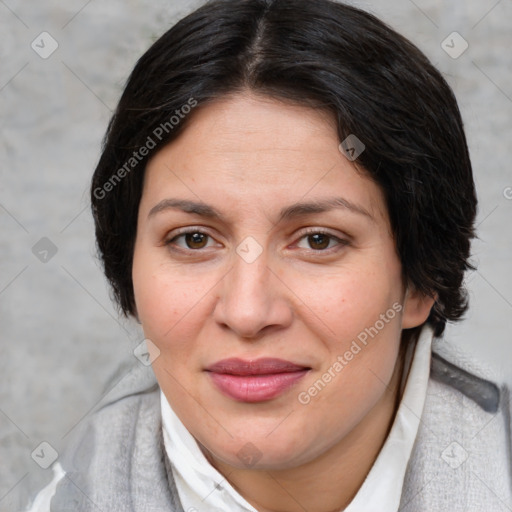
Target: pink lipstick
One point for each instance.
(255, 381)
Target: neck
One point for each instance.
(329, 482)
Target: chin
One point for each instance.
(265, 452)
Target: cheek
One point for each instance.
(168, 308)
(352, 300)
(165, 301)
(360, 351)
(358, 318)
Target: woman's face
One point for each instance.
(266, 274)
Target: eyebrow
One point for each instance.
(289, 212)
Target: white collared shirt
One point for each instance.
(202, 488)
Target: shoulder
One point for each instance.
(462, 456)
(484, 393)
(129, 409)
(116, 460)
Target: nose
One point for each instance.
(253, 300)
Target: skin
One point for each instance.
(303, 299)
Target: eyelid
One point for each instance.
(323, 231)
(342, 241)
(184, 231)
(188, 229)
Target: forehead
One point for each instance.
(255, 150)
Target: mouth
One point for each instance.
(255, 381)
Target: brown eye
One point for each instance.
(319, 241)
(192, 240)
(196, 240)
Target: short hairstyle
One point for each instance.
(322, 54)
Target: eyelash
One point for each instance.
(309, 232)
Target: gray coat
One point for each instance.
(461, 459)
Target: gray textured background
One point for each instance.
(60, 336)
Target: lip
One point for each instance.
(255, 381)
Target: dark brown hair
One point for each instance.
(320, 53)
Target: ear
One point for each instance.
(417, 307)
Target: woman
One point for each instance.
(285, 203)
